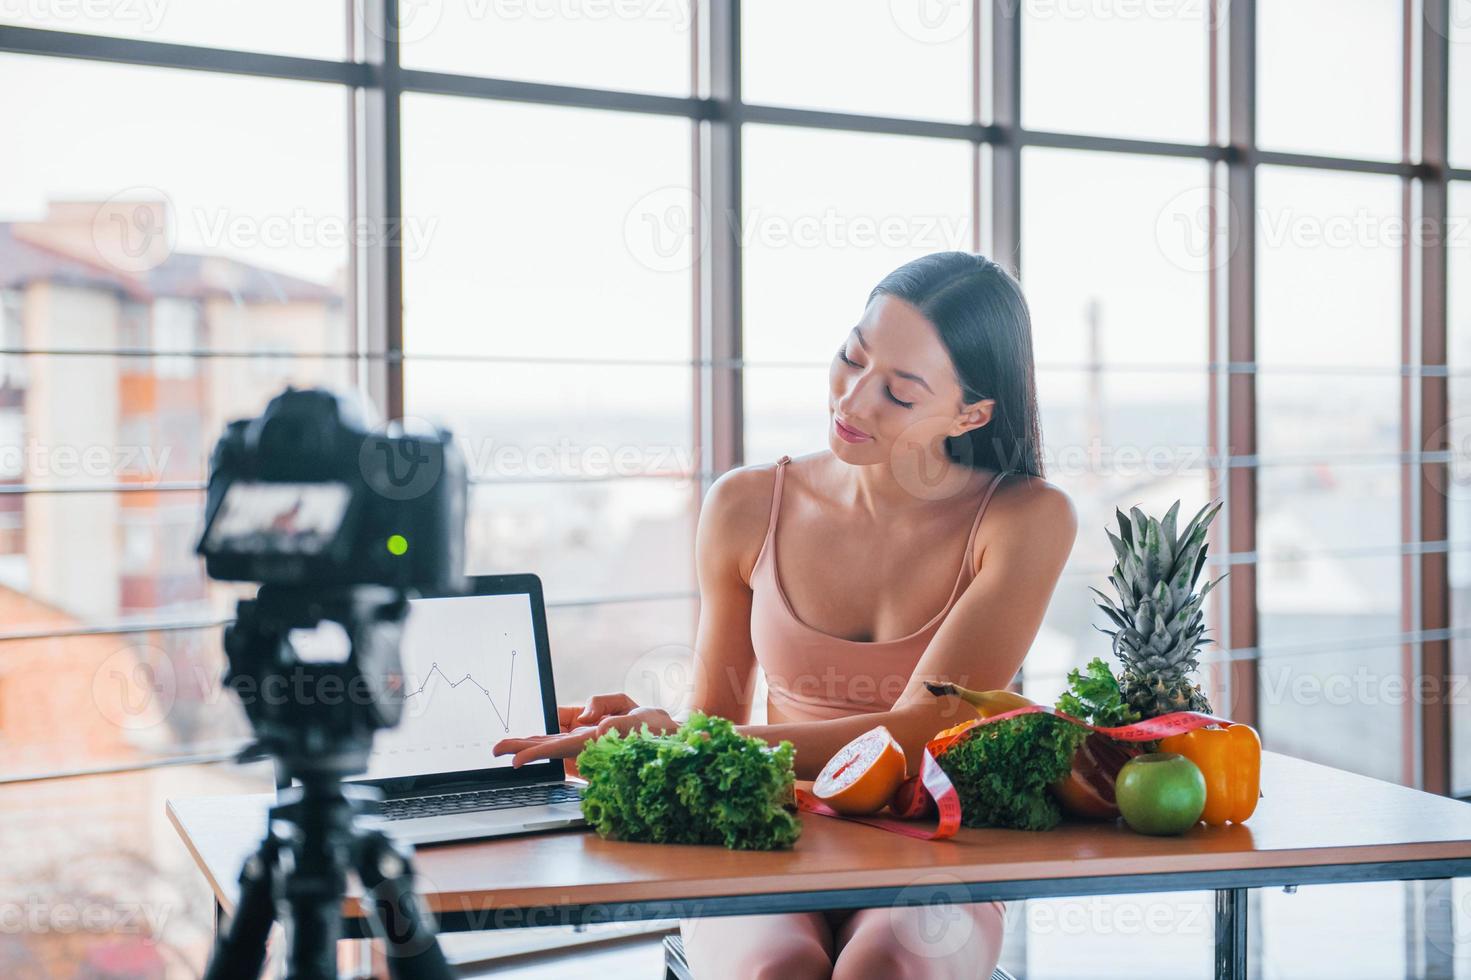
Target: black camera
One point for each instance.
(337, 524)
(306, 495)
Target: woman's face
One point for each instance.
(892, 387)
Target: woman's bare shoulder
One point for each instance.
(1031, 499)
(736, 512)
(744, 494)
(1029, 509)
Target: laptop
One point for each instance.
(477, 669)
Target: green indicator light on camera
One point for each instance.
(397, 544)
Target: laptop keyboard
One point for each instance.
(486, 799)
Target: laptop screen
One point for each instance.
(471, 678)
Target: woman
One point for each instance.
(934, 422)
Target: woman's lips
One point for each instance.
(849, 434)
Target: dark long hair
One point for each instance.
(983, 320)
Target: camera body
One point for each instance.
(337, 524)
(307, 496)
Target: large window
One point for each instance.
(1120, 316)
(1337, 95)
(615, 245)
(824, 218)
(167, 233)
(548, 318)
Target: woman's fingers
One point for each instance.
(537, 747)
(567, 716)
(601, 706)
(533, 748)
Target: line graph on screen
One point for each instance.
(435, 671)
(464, 692)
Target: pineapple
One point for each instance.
(1160, 625)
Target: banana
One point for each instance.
(986, 703)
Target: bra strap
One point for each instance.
(970, 545)
(781, 469)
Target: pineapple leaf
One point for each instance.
(1158, 610)
(1167, 526)
(1205, 590)
(1136, 576)
(1199, 564)
(1156, 554)
(1203, 518)
(1113, 612)
(1124, 530)
(1141, 525)
(1119, 587)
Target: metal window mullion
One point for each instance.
(162, 54)
(978, 114)
(718, 244)
(1220, 654)
(186, 626)
(1408, 416)
(378, 203)
(1006, 175)
(1436, 717)
(1240, 529)
(210, 758)
(543, 93)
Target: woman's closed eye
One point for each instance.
(843, 356)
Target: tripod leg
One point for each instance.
(387, 876)
(240, 950)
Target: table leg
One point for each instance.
(1231, 906)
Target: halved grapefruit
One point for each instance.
(911, 800)
(1087, 790)
(862, 776)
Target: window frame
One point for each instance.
(375, 82)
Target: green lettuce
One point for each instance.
(1093, 696)
(1001, 771)
(703, 784)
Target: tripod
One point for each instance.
(299, 873)
(303, 869)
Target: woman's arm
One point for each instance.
(732, 524)
(982, 642)
(724, 665)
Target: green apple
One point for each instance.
(1160, 793)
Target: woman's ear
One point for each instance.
(973, 416)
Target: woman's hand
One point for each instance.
(599, 706)
(579, 725)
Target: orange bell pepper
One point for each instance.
(1231, 760)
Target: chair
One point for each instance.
(676, 967)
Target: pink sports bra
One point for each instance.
(812, 675)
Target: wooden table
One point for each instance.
(1315, 825)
